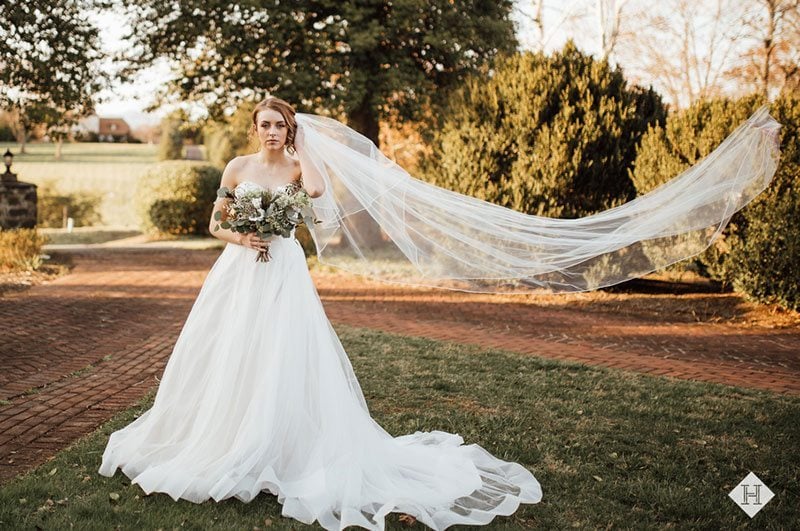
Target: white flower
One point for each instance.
(256, 202)
(258, 217)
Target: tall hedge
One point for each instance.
(758, 253)
(226, 139)
(551, 135)
(764, 261)
(170, 146)
(688, 136)
(176, 197)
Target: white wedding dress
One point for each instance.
(259, 395)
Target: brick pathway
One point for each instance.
(81, 348)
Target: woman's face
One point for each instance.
(272, 129)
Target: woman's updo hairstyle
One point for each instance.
(286, 110)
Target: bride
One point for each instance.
(259, 395)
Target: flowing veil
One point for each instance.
(379, 221)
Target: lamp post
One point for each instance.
(8, 159)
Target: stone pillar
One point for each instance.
(17, 203)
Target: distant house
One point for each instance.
(104, 129)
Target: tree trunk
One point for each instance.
(59, 143)
(769, 46)
(364, 120)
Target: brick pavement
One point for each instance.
(77, 350)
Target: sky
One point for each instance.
(128, 100)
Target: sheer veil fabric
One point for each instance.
(379, 221)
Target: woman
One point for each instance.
(259, 394)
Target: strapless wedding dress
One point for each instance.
(259, 395)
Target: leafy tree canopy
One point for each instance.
(50, 61)
(363, 58)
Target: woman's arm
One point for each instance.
(249, 240)
(313, 183)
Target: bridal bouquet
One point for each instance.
(265, 212)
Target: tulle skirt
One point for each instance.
(259, 395)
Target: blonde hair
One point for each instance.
(286, 110)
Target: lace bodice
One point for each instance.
(248, 186)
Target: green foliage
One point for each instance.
(21, 249)
(303, 235)
(668, 150)
(177, 197)
(225, 139)
(83, 207)
(171, 145)
(50, 62)
(758, 251)
(6, 133)
(363, 59)
(688, 136)
(764, 261)
(547, 135)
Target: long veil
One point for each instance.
(379, 221)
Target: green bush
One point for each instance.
(758, 252)
(551, 135)
(666, 151)
(219, 149)
(177, 197)
(21, 249)
(170, 146)
(83, 208)
(228, 138)
(6, 134)
(764, 261)
(303, 236)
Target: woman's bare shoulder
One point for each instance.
(240, 160)
(232, 171)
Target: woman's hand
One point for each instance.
(252, 241)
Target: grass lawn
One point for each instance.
(87, 235)
(108, 169)
(612, 449)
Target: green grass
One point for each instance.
(612, 449)
(87, 235)
(108, 169)
(83, 153)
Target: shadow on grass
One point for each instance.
(658, 287)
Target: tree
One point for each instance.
(49, 58)
(551, 135)
(57, 122)
(361, 58)
(170, 146)
(609, 16)
(772, 58)
(543, 32)
(758, 252)
(683, 47)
